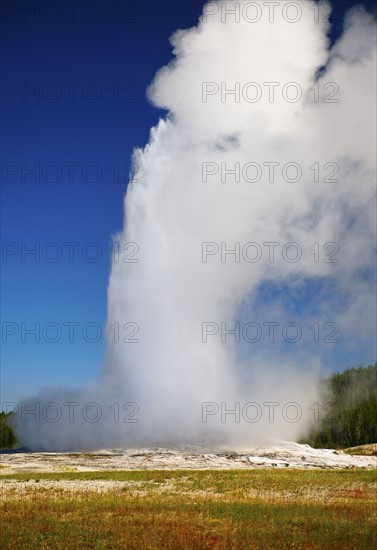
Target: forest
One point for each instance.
(350, 398)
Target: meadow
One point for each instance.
(164, 509)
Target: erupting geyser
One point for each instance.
(268, 139)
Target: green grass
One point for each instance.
(363, 450)
(255, 509)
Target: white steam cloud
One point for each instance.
(241, 94)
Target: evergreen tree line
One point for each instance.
(350, 417)
(7, 438)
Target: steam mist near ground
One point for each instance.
(170, 212)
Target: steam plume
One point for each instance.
(170, 212)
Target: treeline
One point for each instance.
(7, 438)
(350, 417)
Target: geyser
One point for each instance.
(259, 182)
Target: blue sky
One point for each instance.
(89, 71)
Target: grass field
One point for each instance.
(256, 509)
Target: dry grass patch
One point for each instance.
(258, 509)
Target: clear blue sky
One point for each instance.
(90, 70)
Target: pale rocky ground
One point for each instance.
(285, 455)
(32, 489)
